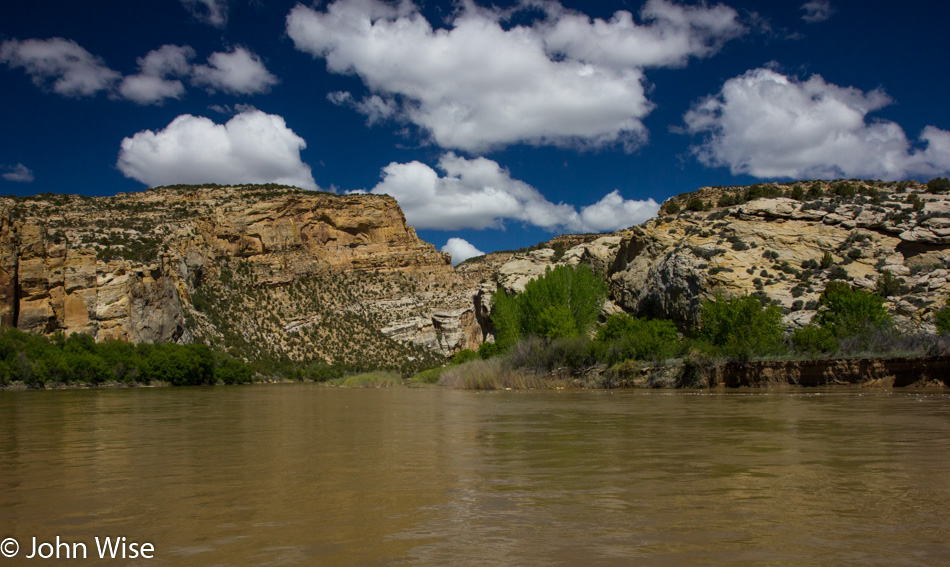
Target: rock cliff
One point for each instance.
(264, 271)
(275, 273)
(889, 237)
(769, 240)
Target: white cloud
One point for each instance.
(461, 250)
(59, 64)
(766, 124)
(614, 212)
(236, 72)
(152, 85)
(675, 34)
(476, 85)
(375, 108)
(252, 147)
(211, 12)
(18, 173)
(478, 193)
(817, 11)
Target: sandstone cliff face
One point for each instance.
(263, 271)
(774, 246)
(273, 273)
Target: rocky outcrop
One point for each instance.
(220, 264)
(774, 246)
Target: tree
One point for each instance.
(851, 312)
(887, 284)
(624, 337)
(695, 204)
(741, 327)
(938, 185)
(565, 301)
(556, 321)
(813, 339)
(798, 192)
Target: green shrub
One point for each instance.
(624, 337)
(741, 327)
(464, 356)
(837, 273)
(938, 185)
(322, 372)
(812, 339)
(887, 284)
(430, 376)
(843, 189)
(671, 208)
(942, 319)
(851, 312)
(695, 204)
(488, 350)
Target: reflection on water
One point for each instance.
(307, 475)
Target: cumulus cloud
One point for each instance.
(766, 124)
(60, 65)
(375, 108)
(18, 173)
(252, 147)
(237, 72)
(475, 85)
(675, 34)
(461, 250)
(817, 11)
(211, 12)
(478, 193)
(152, 84)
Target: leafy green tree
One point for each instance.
(556, 321)
(565, 301)
(851, 312)
(624, 337)
(741, 327)
(506, 318)
(488, 350)
(813, 339)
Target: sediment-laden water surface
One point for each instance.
(309, 475)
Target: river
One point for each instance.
(301, 474)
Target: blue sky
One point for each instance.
(495, 125)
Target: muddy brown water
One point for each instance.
(309, 475)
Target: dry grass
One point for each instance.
(368, 380)
(495, 374)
